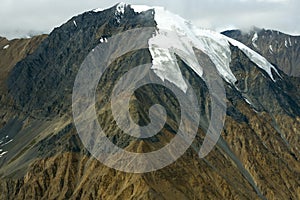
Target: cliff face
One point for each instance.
(256, 157)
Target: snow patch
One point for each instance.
(271, 49)
(74, 22)
(2, 145)
(247, 101)
(290, 42)
(98, 10)
(103, 40)
(256, 111)
(6, 46)
(120, 10)
(286, 43)
(254, 39)
(3, 142)
(3, 153)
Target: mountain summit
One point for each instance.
(254, 100)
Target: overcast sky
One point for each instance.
(22, 17)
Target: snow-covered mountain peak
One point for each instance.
(185, 36)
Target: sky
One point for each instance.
(20, 18)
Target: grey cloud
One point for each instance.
(41, 16)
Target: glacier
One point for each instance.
(186, 36)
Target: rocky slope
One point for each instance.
(256, 157)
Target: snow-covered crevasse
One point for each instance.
(185, 36)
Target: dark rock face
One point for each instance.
(257, 156)
(43, 82)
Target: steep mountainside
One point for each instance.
(280, 49)
(42, 156)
